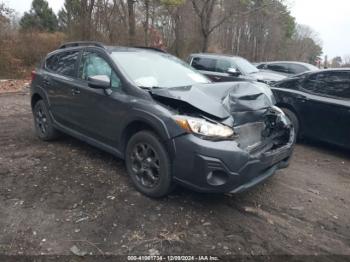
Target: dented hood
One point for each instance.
(221, 100)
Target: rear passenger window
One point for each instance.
(333, 84)
(63, 63)
(278, 68)
(205, 64)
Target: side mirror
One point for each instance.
(233, 71)
(99, 82)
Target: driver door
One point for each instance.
(99, 113)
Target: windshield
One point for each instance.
(244, 66)
(151, 69)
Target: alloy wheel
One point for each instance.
(145, 165)
(41, 120)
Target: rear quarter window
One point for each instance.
(63, 63)
(52, 63)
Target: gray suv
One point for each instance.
(169, 122)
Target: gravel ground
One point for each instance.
(67, 196)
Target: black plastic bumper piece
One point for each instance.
(222, 167)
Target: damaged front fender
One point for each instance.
(219, 100)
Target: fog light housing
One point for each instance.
(217, 178)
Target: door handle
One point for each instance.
(75, 91)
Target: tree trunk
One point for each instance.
(146, 25)
(132, 22)
(205, 43)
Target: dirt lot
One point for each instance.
(54, 196)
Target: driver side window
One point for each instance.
(92, 64)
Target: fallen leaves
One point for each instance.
(10, 86)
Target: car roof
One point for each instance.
(322, 71)
(212, 55)
(331, 70)
(71, 46)
(284, 62)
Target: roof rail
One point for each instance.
(81, 43)
(152, 48)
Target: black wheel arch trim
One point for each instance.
(38, 91)
(156, 125)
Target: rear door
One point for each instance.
(61, 72)
(326, 107)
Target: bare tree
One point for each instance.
(87, 6)
(132, 21)
(346, 61)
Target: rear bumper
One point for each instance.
(222, 167)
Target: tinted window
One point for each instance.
(92, 65)
(205, 64)
(335, 84)
(52, 63)
(297, 69)
(278, 68)
(223, 65)
(63, 63)
(288, 84)
(261, 66)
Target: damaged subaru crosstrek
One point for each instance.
(170, 123)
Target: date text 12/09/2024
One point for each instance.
(173, 258)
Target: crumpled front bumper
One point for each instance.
(223, 167)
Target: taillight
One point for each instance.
(33, 75)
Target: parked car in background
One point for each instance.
(169, 122)
(287, 68)
(318, 104)
(225, 68)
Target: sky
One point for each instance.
(330, 19)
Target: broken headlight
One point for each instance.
(204, 128)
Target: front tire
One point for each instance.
(43, 122)
(148, 165)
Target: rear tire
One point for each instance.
(148, 165)
(295, 121)
(43, 122)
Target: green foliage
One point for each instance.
(314, 52)
(69, 14)
(40, 17)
